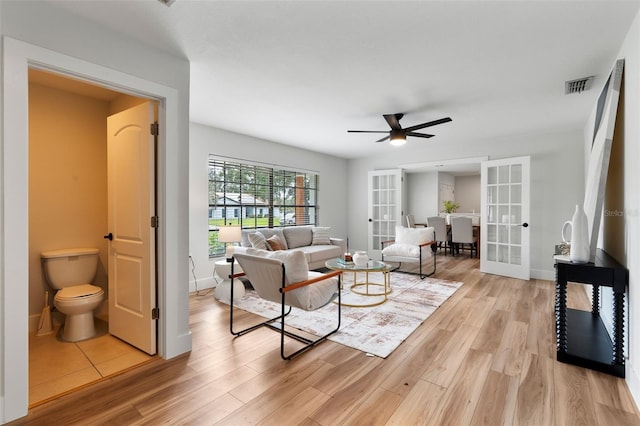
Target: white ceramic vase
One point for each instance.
(580, 251)
(360, 258)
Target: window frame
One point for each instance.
(258, 195)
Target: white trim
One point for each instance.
(18, 56)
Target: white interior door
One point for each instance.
(131, 204)
(385, 208)
(504, 233)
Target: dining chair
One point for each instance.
(411, 221)
(439, 225)
(462, 233)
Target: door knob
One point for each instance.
(525, 225)
(109, 236)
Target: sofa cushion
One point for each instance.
(267, 232)
(321, 253)
(298, 236)
(320, 236)
(258, 240)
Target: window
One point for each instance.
(258, 196)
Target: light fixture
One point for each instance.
(397, 138)
(229, 234)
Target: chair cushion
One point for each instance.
(402, 250)
(258, 240)
(321, 236)
(414, 236)
(313, 296)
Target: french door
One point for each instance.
(505, 217)
(385, 208)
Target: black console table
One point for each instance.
(581, 336)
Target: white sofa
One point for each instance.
(313, 241)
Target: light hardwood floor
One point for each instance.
(486, 356)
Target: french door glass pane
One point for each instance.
(516, 193)
(516, 257)
(503, 174)
(492, 233)
(516, 234)
(503, 194)
(516, 173)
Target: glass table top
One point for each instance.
(371, 266)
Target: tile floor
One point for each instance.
(56, 367)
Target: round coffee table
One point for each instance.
(365, 288)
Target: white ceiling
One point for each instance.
(304, 72)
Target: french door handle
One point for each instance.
(109, 236)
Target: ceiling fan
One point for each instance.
(397, 135)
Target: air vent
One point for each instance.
(577, 86)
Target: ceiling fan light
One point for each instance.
(398, 140)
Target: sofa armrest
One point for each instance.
(340, 242)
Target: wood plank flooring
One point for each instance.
(485, 357)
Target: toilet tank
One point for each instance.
(68, 267)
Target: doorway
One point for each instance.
(68, 208)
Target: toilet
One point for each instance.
(70, 272)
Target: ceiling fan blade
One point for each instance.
(367, 131)
(393, 120)
(428, 124)
(419, 135)
(383, 139)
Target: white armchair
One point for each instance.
(414, 249)
(283, 277)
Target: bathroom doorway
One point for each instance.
(68, 207)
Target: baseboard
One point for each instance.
(203, 283)
(633, 382)
(543, 274)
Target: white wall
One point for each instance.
(66, 42)
(557, 184)
(468, 193)
(422, 195)
(204, 140)
(623, 241)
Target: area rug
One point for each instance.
(376, 330)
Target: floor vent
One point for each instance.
(577, 86)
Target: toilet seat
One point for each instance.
(78, 292)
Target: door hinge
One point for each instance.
(155, 313)
(155, 129)
(154, 221)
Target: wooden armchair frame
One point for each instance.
(286, 310)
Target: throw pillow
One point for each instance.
(258, 241)
(275, 243)
(321, 236)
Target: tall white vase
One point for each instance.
(580, 250)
